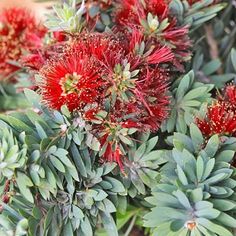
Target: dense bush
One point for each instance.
(119, 118)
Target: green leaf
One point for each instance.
(42, 134)
(48, 218)
(182, 199)
(123, 218)
(67, 229)
(215, 178)
(226, 220)
(78, 160)
(212, 146)
(86, 227)
(137, 182)
(208, 213)
(196, 136)
(233, 58)
(208, 168)
(211, 67)
(225, 156)
(109, 224)
(151, 143)
(37, 213)
(144, 177)
(223, 204)
(17, 124)
(200, 168)
(33, 97)
(57, 164)
(195, 93)
(24, 182)
(117, 186)
(125, 140)
(153, 156)
(215, 228)
(139, 152)
(197, 195)
(109, 206)
(92, 142)
(182, 176)
(184, 85)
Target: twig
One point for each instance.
(214, 50)
(130, 226)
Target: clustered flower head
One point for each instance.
(97, 73)
(154, 22)
(221, 115)
(117, 81)
(19, 33)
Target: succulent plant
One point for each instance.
(141, 166)
(64, 190)
(196, 13)
(188, 213)
(12, 153)
(187, 97)
(102, 166)
(196, 191)
(67, 17)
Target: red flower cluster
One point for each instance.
(19, 33)
(221, 116)
(99, 74)
(153, 20)
(117, 81)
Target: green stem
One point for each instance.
(131, 225)
(2, 90)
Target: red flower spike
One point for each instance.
(59, 36)
(71, 80)
(230, 95)
(221, 117)
(155, 21)
(34, 61)
(113, 155)
(97, 70)
(19, 33)
(219, 120)
(160, 55)
(104, 56)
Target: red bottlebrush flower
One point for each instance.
(144, 52)
(221, 116)
(71, 80)
(59, 36)
(39, 57)
(154, 19)
(220, 119)
(102, 65)
(19, 33)
(112, 152)
(34, 61)
(103, 47)
(230, 95)
(96, 74)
